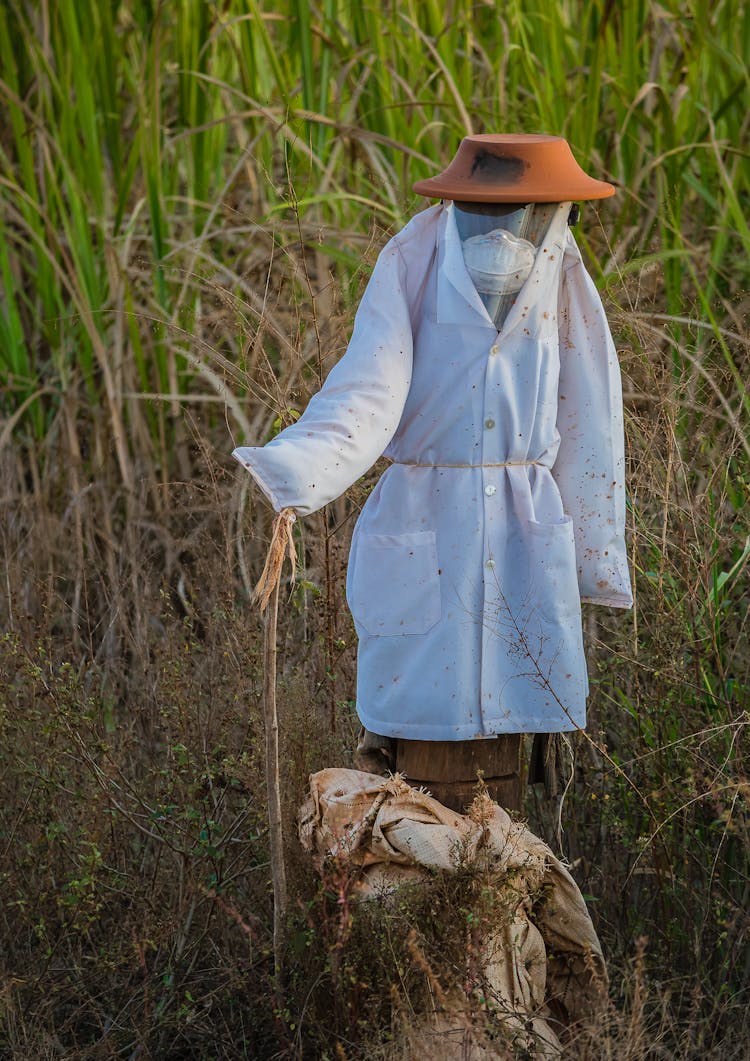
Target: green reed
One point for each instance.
(111, 108)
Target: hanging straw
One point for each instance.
(267, 591)
(281, 544)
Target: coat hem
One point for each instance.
(609, 602)
(407, 731)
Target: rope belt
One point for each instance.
(503, 464)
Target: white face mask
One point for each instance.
(499, 243)
(498, 262)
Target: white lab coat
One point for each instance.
(504, 505)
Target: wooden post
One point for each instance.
(450, 769)
(273, 787)
(267, 592)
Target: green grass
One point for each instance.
(131, 124)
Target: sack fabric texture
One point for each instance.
(543, 964)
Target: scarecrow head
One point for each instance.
(504, 190)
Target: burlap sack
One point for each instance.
(543, 965)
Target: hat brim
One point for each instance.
(470, 192)
(514, 168)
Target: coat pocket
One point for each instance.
(553, 575)
(393, 585)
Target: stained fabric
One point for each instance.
(542, 962)
(504, 505)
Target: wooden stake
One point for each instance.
(267, 592)
(273, 787)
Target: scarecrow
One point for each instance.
(481, 365)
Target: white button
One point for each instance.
(495, 349)
(490, 490)
(490, 564)
(489, 423)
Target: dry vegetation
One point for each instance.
(191, 195)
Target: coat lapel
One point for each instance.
(457, 299)
(541, 287)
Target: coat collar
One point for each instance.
(457, 299)
(456, 293)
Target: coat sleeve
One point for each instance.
(590, 465)
(349, 422)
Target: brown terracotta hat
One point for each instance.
(514, 168)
